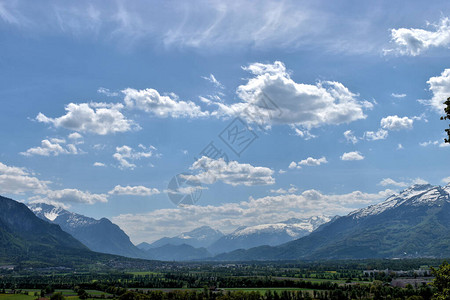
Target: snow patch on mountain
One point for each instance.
(293, 227)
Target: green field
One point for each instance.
(16, 297)
(68, 294)
(143, 273)
(264, 290)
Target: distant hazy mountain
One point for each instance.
(267, 234)
(25, 237)
(413, 223)
(182, 252)
(98, 235)
(200, 237)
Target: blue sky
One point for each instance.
(104, 102)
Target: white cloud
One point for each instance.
(292, 165)
(446, 180)
(428, 143)
(15, 180)
(434, 143)
(99, 164)
(440, 88)
(52, 147)
(419, 180)
(381, 134)
(155, 224)
(150, 101)
(400, 147)
(98, 118)
(273, 97)
(211, 78)
(232, 173)
(396, 123)
(350, 137)
(291, 190)
(107, 92)
(303, 133)
(310, 161)
(413, 41)
(67, 196)
(398, 95)
(133, 190)
(125, 154)
(354, 155)
(389, 181)
(75, 136)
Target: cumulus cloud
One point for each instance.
(125, 155)
(138, 190)
(310, 161)
(15, 180)
(228, 216)
(440, 88)
(52, 147)
(414, 41)
(99, 164)
(232, 173)
(98, 118)
(273, 97)
(354, 155)
(396, 123)
(381, 134)
(68, 196)
(446, 180)
(150, 101)
(350, 137)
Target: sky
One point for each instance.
(165, 116)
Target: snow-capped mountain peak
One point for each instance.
(416, 195)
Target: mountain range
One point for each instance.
(267, 234)
(412, 223)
